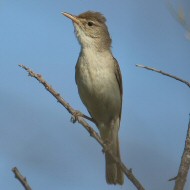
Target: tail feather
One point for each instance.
(114, 174)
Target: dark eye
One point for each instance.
(90, 23)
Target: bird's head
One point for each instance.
(91, 30)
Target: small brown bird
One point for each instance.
(99, 82)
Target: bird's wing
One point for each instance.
(119, 80)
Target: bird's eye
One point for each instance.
(90, 23)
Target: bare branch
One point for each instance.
(22, 179)
(166, 74)
(180, 179)
(94, 134)
(185, 164)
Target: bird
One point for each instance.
(99, 81)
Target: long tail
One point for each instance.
(114, 174)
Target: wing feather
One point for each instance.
(119, 80)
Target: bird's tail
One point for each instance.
(114, 174)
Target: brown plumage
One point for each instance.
(99, 83)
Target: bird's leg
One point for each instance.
(77, 114)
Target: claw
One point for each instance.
(75, 116)
(73, 119)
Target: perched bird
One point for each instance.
(99, 82)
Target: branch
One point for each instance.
(166, 74)
(94, 134)
(22, 179)
(180, 179)
(185, 164)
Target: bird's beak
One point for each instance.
(72, 17)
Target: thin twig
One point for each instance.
(22, 179)
(185, 164)
(180, 179)
(166, 74)
(94, 134)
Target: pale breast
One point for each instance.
(97, 84)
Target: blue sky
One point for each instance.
(36, 134)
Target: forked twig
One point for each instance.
(180, 179)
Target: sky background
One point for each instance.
(36, 134)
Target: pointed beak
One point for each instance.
(72, 17)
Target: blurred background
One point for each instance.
(36, 134)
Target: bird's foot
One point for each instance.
(78, 114)
(75, 116)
